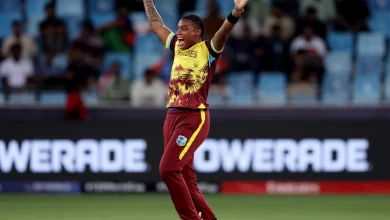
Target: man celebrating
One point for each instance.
(187, 122)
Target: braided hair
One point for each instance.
(198, 21)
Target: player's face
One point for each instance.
(308, 32)
(187, 34)
(50, 11)
(17, 29)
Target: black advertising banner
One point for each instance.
(140, 187)
(130, 151)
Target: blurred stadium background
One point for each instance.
(299, 107)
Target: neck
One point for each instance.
(148, 81)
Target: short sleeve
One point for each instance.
(171, 42)
(215, 53)
(29, 68)
(3, 69)
(295, 46)
(321, 47)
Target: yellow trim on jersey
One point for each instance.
(201, 106)
(215, 50)
(169, 40)
(194, 135)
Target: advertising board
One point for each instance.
(235, 150)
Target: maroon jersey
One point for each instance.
(191, 74)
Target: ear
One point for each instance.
(198, 32)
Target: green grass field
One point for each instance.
(159, 207)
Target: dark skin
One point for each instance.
(189, 33)
(148, 79)
(16, 53)
(50, 12)
(308, 33)
(17, 30)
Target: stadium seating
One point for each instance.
(59, 98)
(242, 88)
(341, 41)
(386, 89)
(2, 101)
(338, 63)
(35, 7)
(378, 5)
(70, 8)
(241, 82)
(72, 12)
(379, 22)
(225, 7)
(215, 99)
(335, 90)
(143, 62)
(5, 22)
(242, 99)
(137, 17)
(303, 99)
(73, 26)
(168, 12)
(10, 6)
(366, 89)
(201, 7)
(148, 43)
(22, 98)
(90, 98)
(33, 24)
(101, 6)
(140, 22)
(60, 62)
(371, 44)
(272, 88)
(369, 65)
(354, 66)
(387, 66)
(52, 98)
(123, 58)
(98, 19)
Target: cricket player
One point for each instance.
(187, 122)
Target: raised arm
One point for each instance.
(156, 21)
(220, 38)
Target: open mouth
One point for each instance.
(181, 41)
